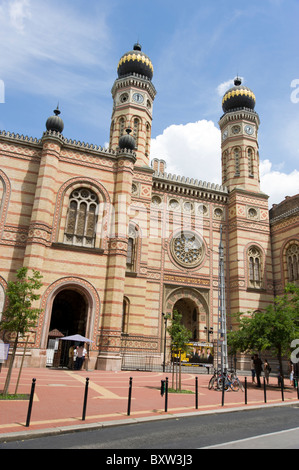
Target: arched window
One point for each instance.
(255, 267)
(82, 218)
(250, 156)
(292, 255)
(136, 130)
(132, 249)
(237, 156)
(122, 126)
(125, 316)
(224, 166)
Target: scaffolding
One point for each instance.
(222, 356)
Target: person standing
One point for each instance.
(267, 370)
(79, 358)
(258, 366)
(252, 369)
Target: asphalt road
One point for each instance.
(273, 427)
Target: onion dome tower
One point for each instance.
(239, 130)
(55, 123)
(135, 62)
(238, 97)
(133, 96)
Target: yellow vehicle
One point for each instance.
(196, 355)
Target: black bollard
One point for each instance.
(282, 388)
(30, 403)
(130, 396)
(223, 388)
(85, 399)
(265, 391)
(245, 390)
(298, 389)
(166, 395)
(196, 393)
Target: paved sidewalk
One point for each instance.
(59, 397)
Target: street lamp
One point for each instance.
(165, 328)
(210, 331)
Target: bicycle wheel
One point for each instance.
(220, 383)
(211, 383)
(235, 385)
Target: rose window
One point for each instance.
(187, 249)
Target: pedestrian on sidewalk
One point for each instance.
(258, 365)
(79, 358)
(252, 369)
(267, 370)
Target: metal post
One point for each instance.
(130, 396)
(222, 328)
(282, 388)
(166, 395)
(245, 390)
(165, 328)
(85, 399)
(223, 389)
(265, 392)
(30, 403)
(196, 393)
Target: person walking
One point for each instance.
(267, 370)
(258, 366)
(252, 369)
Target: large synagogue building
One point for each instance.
(120, 242)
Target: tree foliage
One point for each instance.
(20, 315)
(273, 329)
(180, 337)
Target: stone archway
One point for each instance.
(194, 309)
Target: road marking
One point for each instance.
(248, 439)
(104, 392)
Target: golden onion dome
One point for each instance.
(135, 62)
(238, 97)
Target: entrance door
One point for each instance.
(69, 316)
(188, 309)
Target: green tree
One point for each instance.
(20, 315)
(180, 336)
(273, 329)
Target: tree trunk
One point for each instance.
(8, 377)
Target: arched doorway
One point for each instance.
(189, 311)
(69, 317)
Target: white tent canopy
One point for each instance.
(77, 338)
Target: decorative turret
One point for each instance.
(238, 97)
(55, 123)
(127, 141)
(135, 62)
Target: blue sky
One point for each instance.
(67, 52)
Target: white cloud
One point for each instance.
(191, 150)
(46, 47)
(194, 150)
(19, 10)
(277, 184)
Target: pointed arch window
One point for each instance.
(292, 255)
(82, 218)
(237, 156)
(136, 129)
(224, 166)
(122, 126)
(132, 249)
(255, 267)
(250, 156)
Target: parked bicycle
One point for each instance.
(229, 380)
